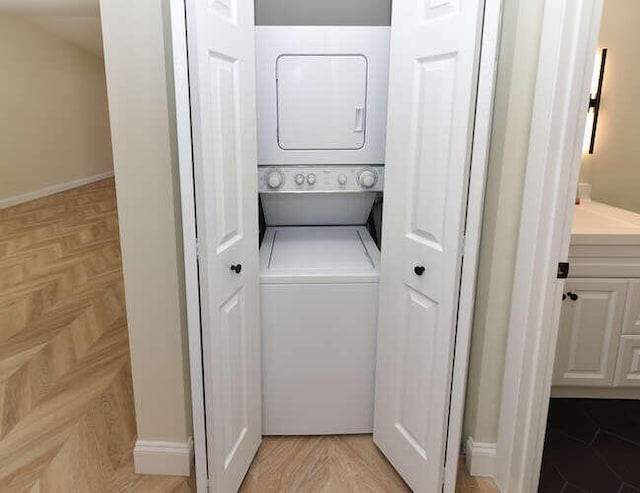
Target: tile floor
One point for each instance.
(592, 445)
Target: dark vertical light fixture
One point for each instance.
(595, 98)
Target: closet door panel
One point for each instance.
(221, 49)
(432, 87)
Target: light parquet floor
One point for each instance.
(67, 419)
(334, 464)
(66, 402)
(342, 463)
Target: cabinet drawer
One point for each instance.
(589, 333)
(604, 260)
(628, 370)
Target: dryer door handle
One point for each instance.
(359, 124)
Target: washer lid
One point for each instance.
(318, 251)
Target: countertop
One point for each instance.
(595, 223)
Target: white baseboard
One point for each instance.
(481, 458)
(163, 458)
(43, 192)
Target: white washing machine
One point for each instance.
(319, 293)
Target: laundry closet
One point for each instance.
(331, 170)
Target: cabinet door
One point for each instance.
(589, 334)
(628, 371)
(628, 368)
(631, 324)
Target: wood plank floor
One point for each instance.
(66, 402)
(334, 464)
(67, 419)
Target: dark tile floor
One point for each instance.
(592, 445)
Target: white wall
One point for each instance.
(614, 168)
(509, 146)
(54, 121)
(323, 12)
(143, 134)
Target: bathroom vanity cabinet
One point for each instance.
(598, 349)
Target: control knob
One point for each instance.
(311, 178)
(367, 178)
(275, 179)
(299, 178)
(342, 179)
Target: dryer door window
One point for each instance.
(321, 101)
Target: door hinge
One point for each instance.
(463, 243)
(197, 248)
(563, 270)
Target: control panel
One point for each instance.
(274, 179)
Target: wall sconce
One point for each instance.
(594, 101)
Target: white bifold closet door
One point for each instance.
(221, 49)
(433, 70)
(435, 47)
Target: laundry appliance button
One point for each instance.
(367, 178)
(275, 179)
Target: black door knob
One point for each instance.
(573, 296)
(419, 270)
(237, 268)
(564, 296)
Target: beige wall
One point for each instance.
(54, 122)
(143, 135)
(614, 168)
(509, 146)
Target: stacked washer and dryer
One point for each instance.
(322, 105)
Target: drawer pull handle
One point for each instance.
(573, 296)
(419, 270)
(237, 268)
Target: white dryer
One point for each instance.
(319, 290)
(321, 94)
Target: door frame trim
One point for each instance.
(475, 201)
(569, 37)
(487, 74)
(180, 74)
